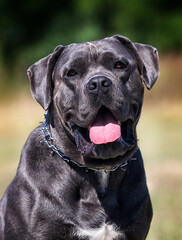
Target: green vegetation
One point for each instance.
(51, 22)
(31, 29)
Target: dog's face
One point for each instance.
(96, 89)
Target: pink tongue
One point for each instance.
(105, 128)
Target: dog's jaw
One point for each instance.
(109, 154)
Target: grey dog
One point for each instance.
(81, 173)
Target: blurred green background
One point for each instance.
(29, 30)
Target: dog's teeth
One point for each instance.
(132, 118)
(119, 122)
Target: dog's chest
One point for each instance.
(105, 232)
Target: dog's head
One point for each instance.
(96, 90)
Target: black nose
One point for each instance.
(99, 83)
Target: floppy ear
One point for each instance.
(40, 76)
(150, 58)
(147, 60)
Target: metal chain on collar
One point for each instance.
(49, 141)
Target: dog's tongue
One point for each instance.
(105, 128)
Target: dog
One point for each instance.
(81, 173)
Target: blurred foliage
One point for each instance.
(53, 22)
(31, 29)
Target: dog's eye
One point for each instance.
(71, 73)
(120, 65)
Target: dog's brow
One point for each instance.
(93, 50)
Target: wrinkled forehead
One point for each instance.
(96, 50)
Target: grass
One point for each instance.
(159, 131)
(18, 118)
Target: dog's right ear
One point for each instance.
(40, 76)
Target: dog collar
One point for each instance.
(49, 141)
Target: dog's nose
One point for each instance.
(99, 83)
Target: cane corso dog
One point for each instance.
(81, 173)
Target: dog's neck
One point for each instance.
(61, 137)
(57, 139)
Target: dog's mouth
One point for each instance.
(106, 137)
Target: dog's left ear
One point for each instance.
(147, 58)
(40, 76)
(150, 58)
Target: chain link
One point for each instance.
(49, 141)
